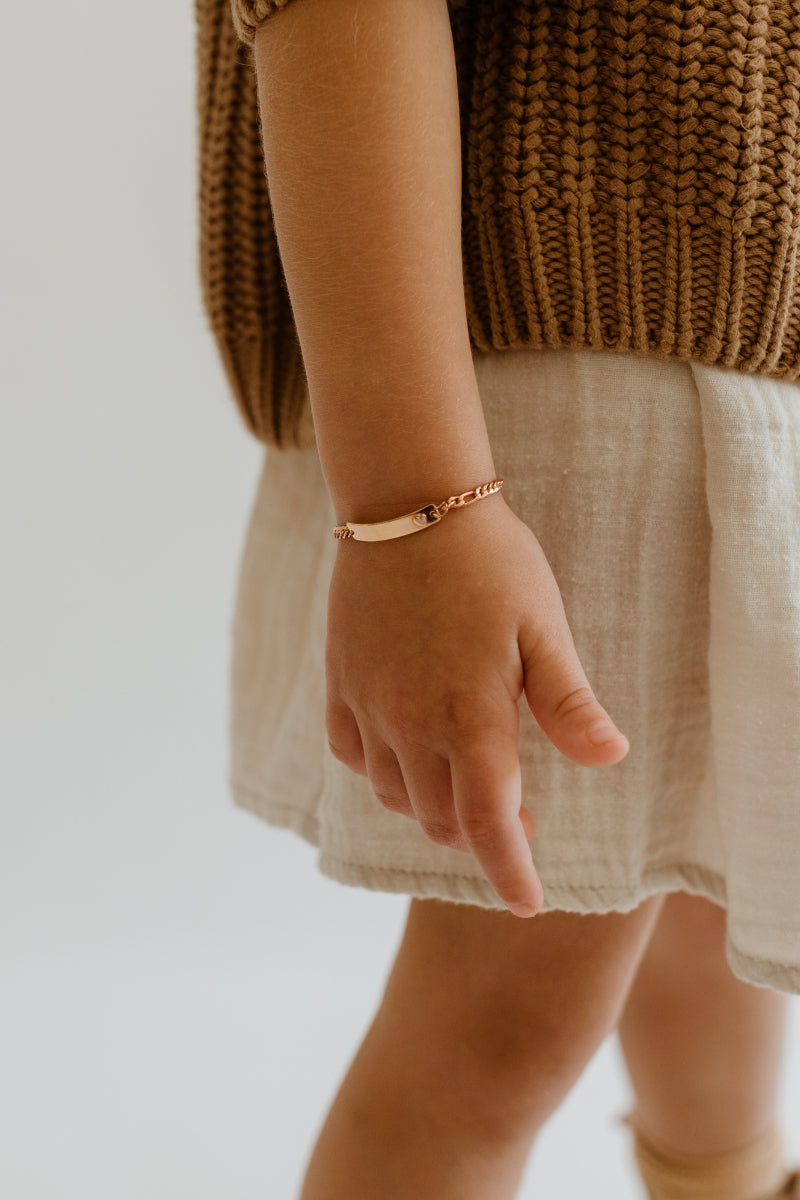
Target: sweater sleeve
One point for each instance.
(249, 14)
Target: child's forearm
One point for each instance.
(359, 109)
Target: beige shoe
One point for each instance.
(763, 1161)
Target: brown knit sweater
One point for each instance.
(631, 181)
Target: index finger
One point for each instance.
(487, 794)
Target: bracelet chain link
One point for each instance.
(459, 501)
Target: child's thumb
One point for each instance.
(565, 707)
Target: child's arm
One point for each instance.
(431, 637)
(362, 144)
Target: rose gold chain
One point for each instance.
(459, 501)
(476, 493)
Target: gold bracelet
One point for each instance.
(420, 518)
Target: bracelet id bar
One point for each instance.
(378, 531)
(420, 518)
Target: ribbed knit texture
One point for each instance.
(244, 291)
(631, 181)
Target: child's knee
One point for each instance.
(512, 1009)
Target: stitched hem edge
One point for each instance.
(762, 972)
(474, 889)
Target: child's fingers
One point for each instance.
(344, 736)
(486, 792)
(420, 786)
(430, 789)
(561, 699)
(528, 823)
(385, 775)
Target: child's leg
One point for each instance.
(703, 1049)
(485, 1023)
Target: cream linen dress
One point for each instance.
(666, 497)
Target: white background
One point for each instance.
(181, 990)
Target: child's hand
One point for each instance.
(431, 639)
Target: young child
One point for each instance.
(541, 266)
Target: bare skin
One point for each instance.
(485, 1024)
(431, 637)
(487, 1019)
(703, 1049)
(431, 641)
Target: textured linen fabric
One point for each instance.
(666, 497)
(630, 177)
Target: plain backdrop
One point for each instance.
(180, 990)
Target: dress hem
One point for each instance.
(465, 888)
